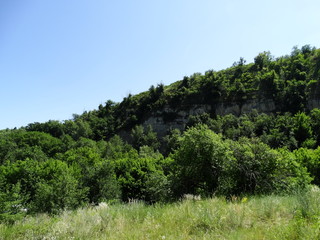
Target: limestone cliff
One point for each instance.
(168, 118)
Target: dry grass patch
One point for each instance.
(269, 217)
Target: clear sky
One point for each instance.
(59, 57)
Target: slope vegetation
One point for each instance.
(250, 129)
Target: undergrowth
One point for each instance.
(265, 217)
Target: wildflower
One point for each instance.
(244, 199)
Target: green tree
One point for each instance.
(94, 173)
(302, 129)
(171, 141)
(141, 137)
(116, 148)
(43, 141)
(140, 178)
(315, 124)
(253, 169)
(310, 159)
(262, 60)
(12, 203)
(77, 128)
(200, 161)
(54, 128)
(57, 189)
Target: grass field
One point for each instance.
(266, 217)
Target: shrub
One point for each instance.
(200, 161)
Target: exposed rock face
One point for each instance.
(168, 118)
(313, 103)
(261, 105)
(314, 97)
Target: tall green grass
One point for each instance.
(267, 217)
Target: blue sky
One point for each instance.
(66, 56)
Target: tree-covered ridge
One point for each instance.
(290, 81)
(47, 167)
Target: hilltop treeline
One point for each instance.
(290, 81)
(47, 167)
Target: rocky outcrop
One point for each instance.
(168, 118)
(314, 97)
(261, 105)
(313, 103)
(162, 121)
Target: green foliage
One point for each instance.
(251, 217)
(57, 189)
(207, 164)
(95, 174)
(141, 176)
(12, 203)
(47, 167)
(171, 141)
(289, 81)
(201, 159)
(78, 128)
(310, 159)
(302, 128)
(26, 152)
(253, 169)
(142, 137)
(48, 144)
(294, 174)
(263, 60)
(116, 148)
(315, 124)
(258, 169)
(47, 186)
(54, 128)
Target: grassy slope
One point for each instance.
(270, 217)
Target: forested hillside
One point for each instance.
(249, 129)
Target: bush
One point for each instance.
(206, 164)
(258, 169)
(94, 173)
(200, 161)
(141, 176)
(12, 203)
